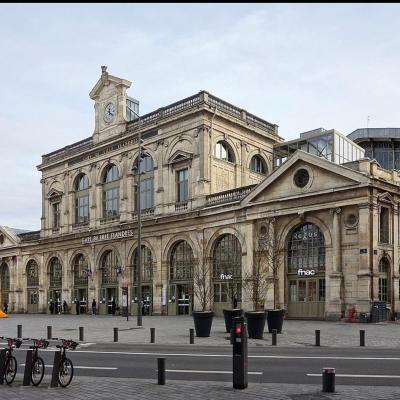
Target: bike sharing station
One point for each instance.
(63, 370)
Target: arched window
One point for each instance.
(109, 265)
(111, 192)
(55, 273)
(82, 199)
(146, 265)
(258, 164)
(81, 270)
(227, 269)
(181, 262)
(146, 183)
(383, 282)
(224, 152)
(5, 277)
(306, 249)
(32, 274)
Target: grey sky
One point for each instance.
(299, 66)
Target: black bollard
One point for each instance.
(191, 336)
(49, 332)
(28, 368)
(362, 337)
(115, 334)
(152, 335)
(2, 365)
(19, 331)
(317, 337)
(81, 334)
(161, 370)
(274, 337)
(328, 380)
(56, 366)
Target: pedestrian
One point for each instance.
(234, 302)
(94, 307)
(65, 307)
(113, 307)
(51, 306)
(58, 310)
(5, 307)
(77, 306)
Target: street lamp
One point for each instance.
(139, 244)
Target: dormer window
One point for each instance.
(223, 151)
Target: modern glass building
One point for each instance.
(329, 144)
(381, 144)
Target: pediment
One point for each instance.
(323, 177)
(8, 237)
(180, 155)
(106, 80)
(386, 198)
(54, 194)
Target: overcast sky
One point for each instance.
(298, 66)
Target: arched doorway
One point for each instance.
(81, 272)
(181, 279)
(109, 266)
(306, 272)
(4, 285)
(147, 279)
(384, 280)
(32, 286)
(55, 288)
(227, 272)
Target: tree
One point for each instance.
(202, 286)
(263, 273)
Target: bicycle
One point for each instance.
(65, 367)
(37, 361)
(11, 362)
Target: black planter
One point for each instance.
(202, 322)
(256, 323)
(229, 315)
(275, 320)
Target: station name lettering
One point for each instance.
(107, 236)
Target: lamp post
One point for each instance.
(139, 244)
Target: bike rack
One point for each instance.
(56, 366)
(2, 365)
(28, 368)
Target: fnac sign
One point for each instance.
(305, 272)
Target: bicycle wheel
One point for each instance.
(37, 371)
(65, 372)
(11, 370)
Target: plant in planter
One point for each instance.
(258, 281)
(202, 291)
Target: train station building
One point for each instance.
(216, 181)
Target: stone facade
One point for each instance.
(219, 158)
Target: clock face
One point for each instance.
(109, 112)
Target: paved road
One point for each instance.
(279, 365)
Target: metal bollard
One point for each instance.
(49, 332)
(191, 336)
(2, 365)
(28, 368)
(56, 366)
(362, 337)
(161, 370)
(115, 334)
(19, 331)
(81, 334)
(152, 335)
(328, 380)
(317, 337)
(274, 337)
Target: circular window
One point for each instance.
(301, 178)
(351, 220)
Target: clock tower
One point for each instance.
(111, 100)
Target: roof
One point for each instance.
(374, 133)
